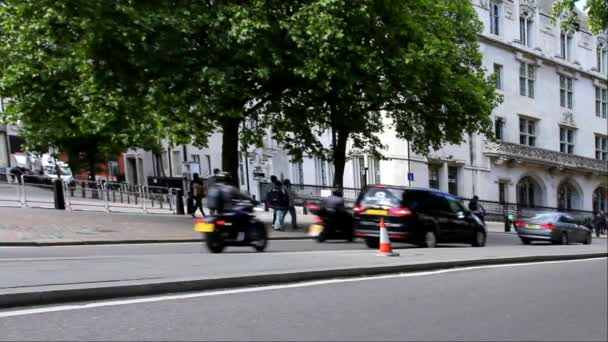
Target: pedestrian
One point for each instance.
(278, 200)
(197, 189)
(292, 197)
(476, 208)
(273, 181)
(597, 222)
(210, 183)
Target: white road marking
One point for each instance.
(92, 305)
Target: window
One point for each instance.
(566, 196)
(434, 176)
(298, 173)
(599, 199)
(565, 91)
(502, 192)
(602, 57)
(566, 140)
(565, 43)
(498, 128)
(360, 175)
(601, 147)
(526, 80)
(323, 174)
(208, 159)
(601, 102)
(525, 29)
(527, 132)
(526, 190)
(498, 75)
(177, 164)
(494, 17)
(453, 180)
(376, 164)
(242, 169)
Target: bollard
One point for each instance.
(179, 202)
(84, 191)
(58, 194)
(304, 208)
(508, 223)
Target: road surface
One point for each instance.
(494, 240)
(545, 301)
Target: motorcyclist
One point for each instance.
(334, 208)
(476, 208)
(227, 199)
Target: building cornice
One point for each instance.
(522, 52)
(521, 153)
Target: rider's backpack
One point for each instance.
(277, 198)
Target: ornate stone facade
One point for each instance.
(538, 155)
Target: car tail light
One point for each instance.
(312, 206)
(379, 186)
(220, 222)
(520, 224)
(358, 209)
(549, 226)
(400, 212)
(318, 219)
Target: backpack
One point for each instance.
(215, 198)
(198, 190)
(277, 198)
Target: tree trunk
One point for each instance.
(230, 148)
(340, 158)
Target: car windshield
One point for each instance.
(379, 197)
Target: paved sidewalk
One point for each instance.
(22, 226)
(48, 226)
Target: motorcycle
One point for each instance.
(330, 224)
(236, 228)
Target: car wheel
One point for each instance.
(322, 237)
(479, 240)
(430, 239)
(260, 238)
(372, 243)
(526, 241)
(588, 239)
(564, 239)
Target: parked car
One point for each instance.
(559, 228)
(415, 215)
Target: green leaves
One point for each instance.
(597, 11)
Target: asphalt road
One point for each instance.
(494, 240)
(552, 301)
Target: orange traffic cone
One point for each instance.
(385, 243)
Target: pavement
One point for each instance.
(35, 226)
(42, 227)
(563, 301)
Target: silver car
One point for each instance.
(559, 228)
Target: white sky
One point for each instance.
(581, 4)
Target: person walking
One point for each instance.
(210, 183)
(476, 208)
(197, 189)
(292, 198)
(278, 200)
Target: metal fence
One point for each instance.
(120, 197)
(10, 191)
(312, 193)
(495, 211)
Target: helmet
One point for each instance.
(223, 177)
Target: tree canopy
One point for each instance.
(597, 10)
(126, 73)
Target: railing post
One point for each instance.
(58, 194)
(24, 191)
(106, 194)
(143, 191)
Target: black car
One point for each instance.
(415, 215)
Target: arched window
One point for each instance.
(567, 196)
(600, 199)
(528, 192)
(525, 27)
(602, 56)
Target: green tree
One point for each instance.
(413, 65)
(48, 55)
(597, 11)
